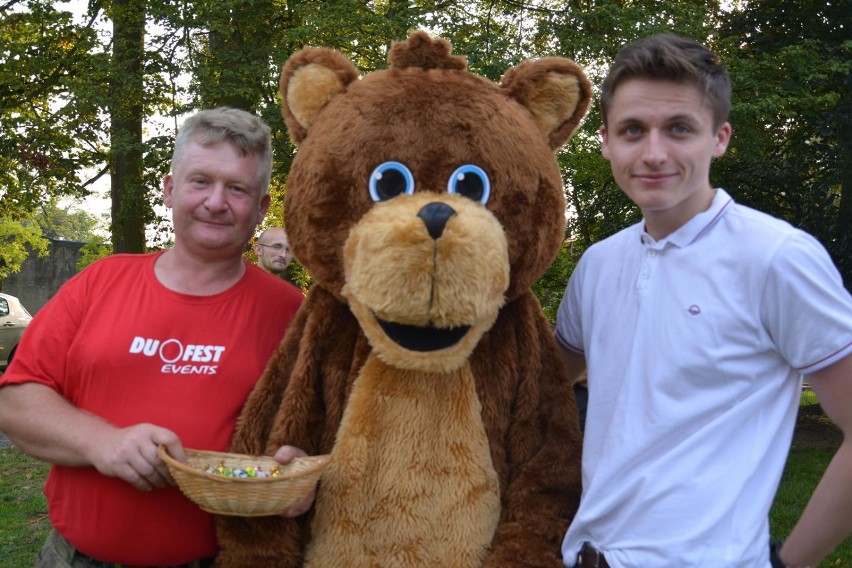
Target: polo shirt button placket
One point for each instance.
(643, 282)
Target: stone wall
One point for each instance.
(40, 277)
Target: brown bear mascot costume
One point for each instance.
(425, 200)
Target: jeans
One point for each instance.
(58, 553)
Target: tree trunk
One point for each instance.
(129, 198)
(240, 45)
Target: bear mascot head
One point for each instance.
(425, 200)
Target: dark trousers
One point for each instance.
(58, 553)
(581, 393)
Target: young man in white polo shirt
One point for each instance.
(697, 325)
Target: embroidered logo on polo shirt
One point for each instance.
(177, 358)
(694, 310)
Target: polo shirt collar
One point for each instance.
(693, 228)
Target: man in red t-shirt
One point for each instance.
(142, 350)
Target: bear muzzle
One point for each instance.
(426, 273)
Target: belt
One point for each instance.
(591, 557)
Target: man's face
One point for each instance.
(273, 251)
(216, 199)
(660, 140)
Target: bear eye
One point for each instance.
(390, 179)
(470, 181)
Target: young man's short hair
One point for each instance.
(670, 57)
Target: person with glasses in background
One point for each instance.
(273, 251)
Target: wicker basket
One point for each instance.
(244, 497)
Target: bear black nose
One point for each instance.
(435, 216)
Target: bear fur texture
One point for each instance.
(425, 200)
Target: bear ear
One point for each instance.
(310, 79)
(555, 90)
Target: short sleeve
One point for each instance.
(805, 308)
(569, 324)
(48, 339)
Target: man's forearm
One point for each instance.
(827, 519)
(46, 426)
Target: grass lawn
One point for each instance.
(24, 524)
(23, 512)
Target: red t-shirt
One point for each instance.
(118, 344)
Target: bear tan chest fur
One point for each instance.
(411, 483)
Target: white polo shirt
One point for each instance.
(695, 347)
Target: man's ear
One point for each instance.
(604, 142)
(723, 138)
(168, 187)
(264, 207)
(311, 78)
(555, 91)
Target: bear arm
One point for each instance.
(542, 493)
(294, 395)
(258, 414)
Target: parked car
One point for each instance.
(14, 319)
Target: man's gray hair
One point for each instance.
(224, 124)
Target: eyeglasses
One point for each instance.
(276, 247)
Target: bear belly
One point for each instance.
(411, 482)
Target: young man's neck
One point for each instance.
(661, 224)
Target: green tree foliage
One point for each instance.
(791, 153)
(49, 113)
(95, 248)
(17, 238)
(67, 224)
(62, 81)
(73, 224)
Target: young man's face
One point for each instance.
(216, 199)
(659, 140)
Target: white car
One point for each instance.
(14, 318)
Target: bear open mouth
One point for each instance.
(415, 338)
